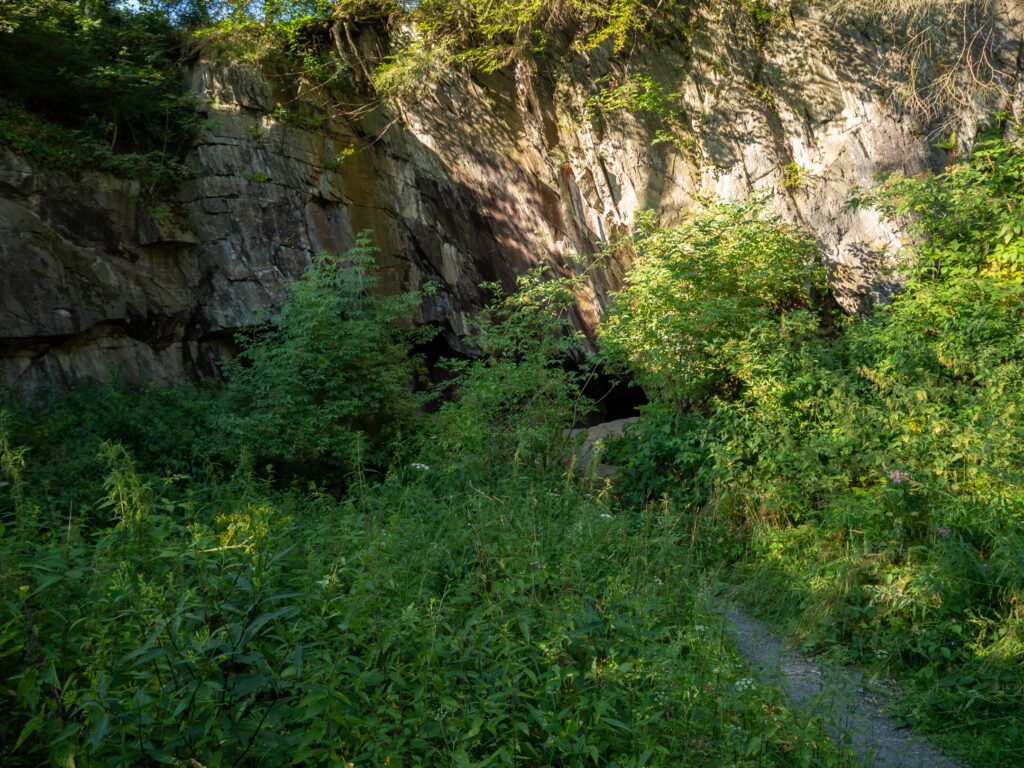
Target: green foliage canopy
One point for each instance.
(331, 381)
(697, 291)
(104, 82)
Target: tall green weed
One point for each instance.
(514, 402)
(330, 384)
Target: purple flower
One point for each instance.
(898, 476)
(943, 531)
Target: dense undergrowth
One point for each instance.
(303, 566)
(189, 577)
(94, 85)
(863, 476)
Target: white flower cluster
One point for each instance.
(744, 684)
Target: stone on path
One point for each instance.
(597, 437)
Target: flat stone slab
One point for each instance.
(596, 437)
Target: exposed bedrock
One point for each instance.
(478, 180)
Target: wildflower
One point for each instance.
(943, 531)
(419, 466)
(744, 684)
(658, 581)
(700, 628)
(606, 516)
(898, 476)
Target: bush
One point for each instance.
(696, 293)
(513, 403)
(968, 219)
(871, 477)
(521, 622)
(329, 385)
(169, 431)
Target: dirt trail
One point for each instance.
(850, 711)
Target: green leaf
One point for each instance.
(30, 728)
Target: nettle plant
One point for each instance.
(514, 400)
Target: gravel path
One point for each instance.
(850, 712)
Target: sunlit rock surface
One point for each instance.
(477, 180)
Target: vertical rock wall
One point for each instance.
(476, 180)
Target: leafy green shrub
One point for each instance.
(872, 476)
(491, 35)
(793, 176)
(428, 37)
(169, 431)
(300, 117)
(696, 293)
(330, 383)
(514, 401)
(638, 93)
(969, 218)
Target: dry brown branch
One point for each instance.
(946, 50)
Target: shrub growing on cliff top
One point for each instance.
(426, 37)
(106, 79)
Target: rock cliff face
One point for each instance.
(478, 180)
